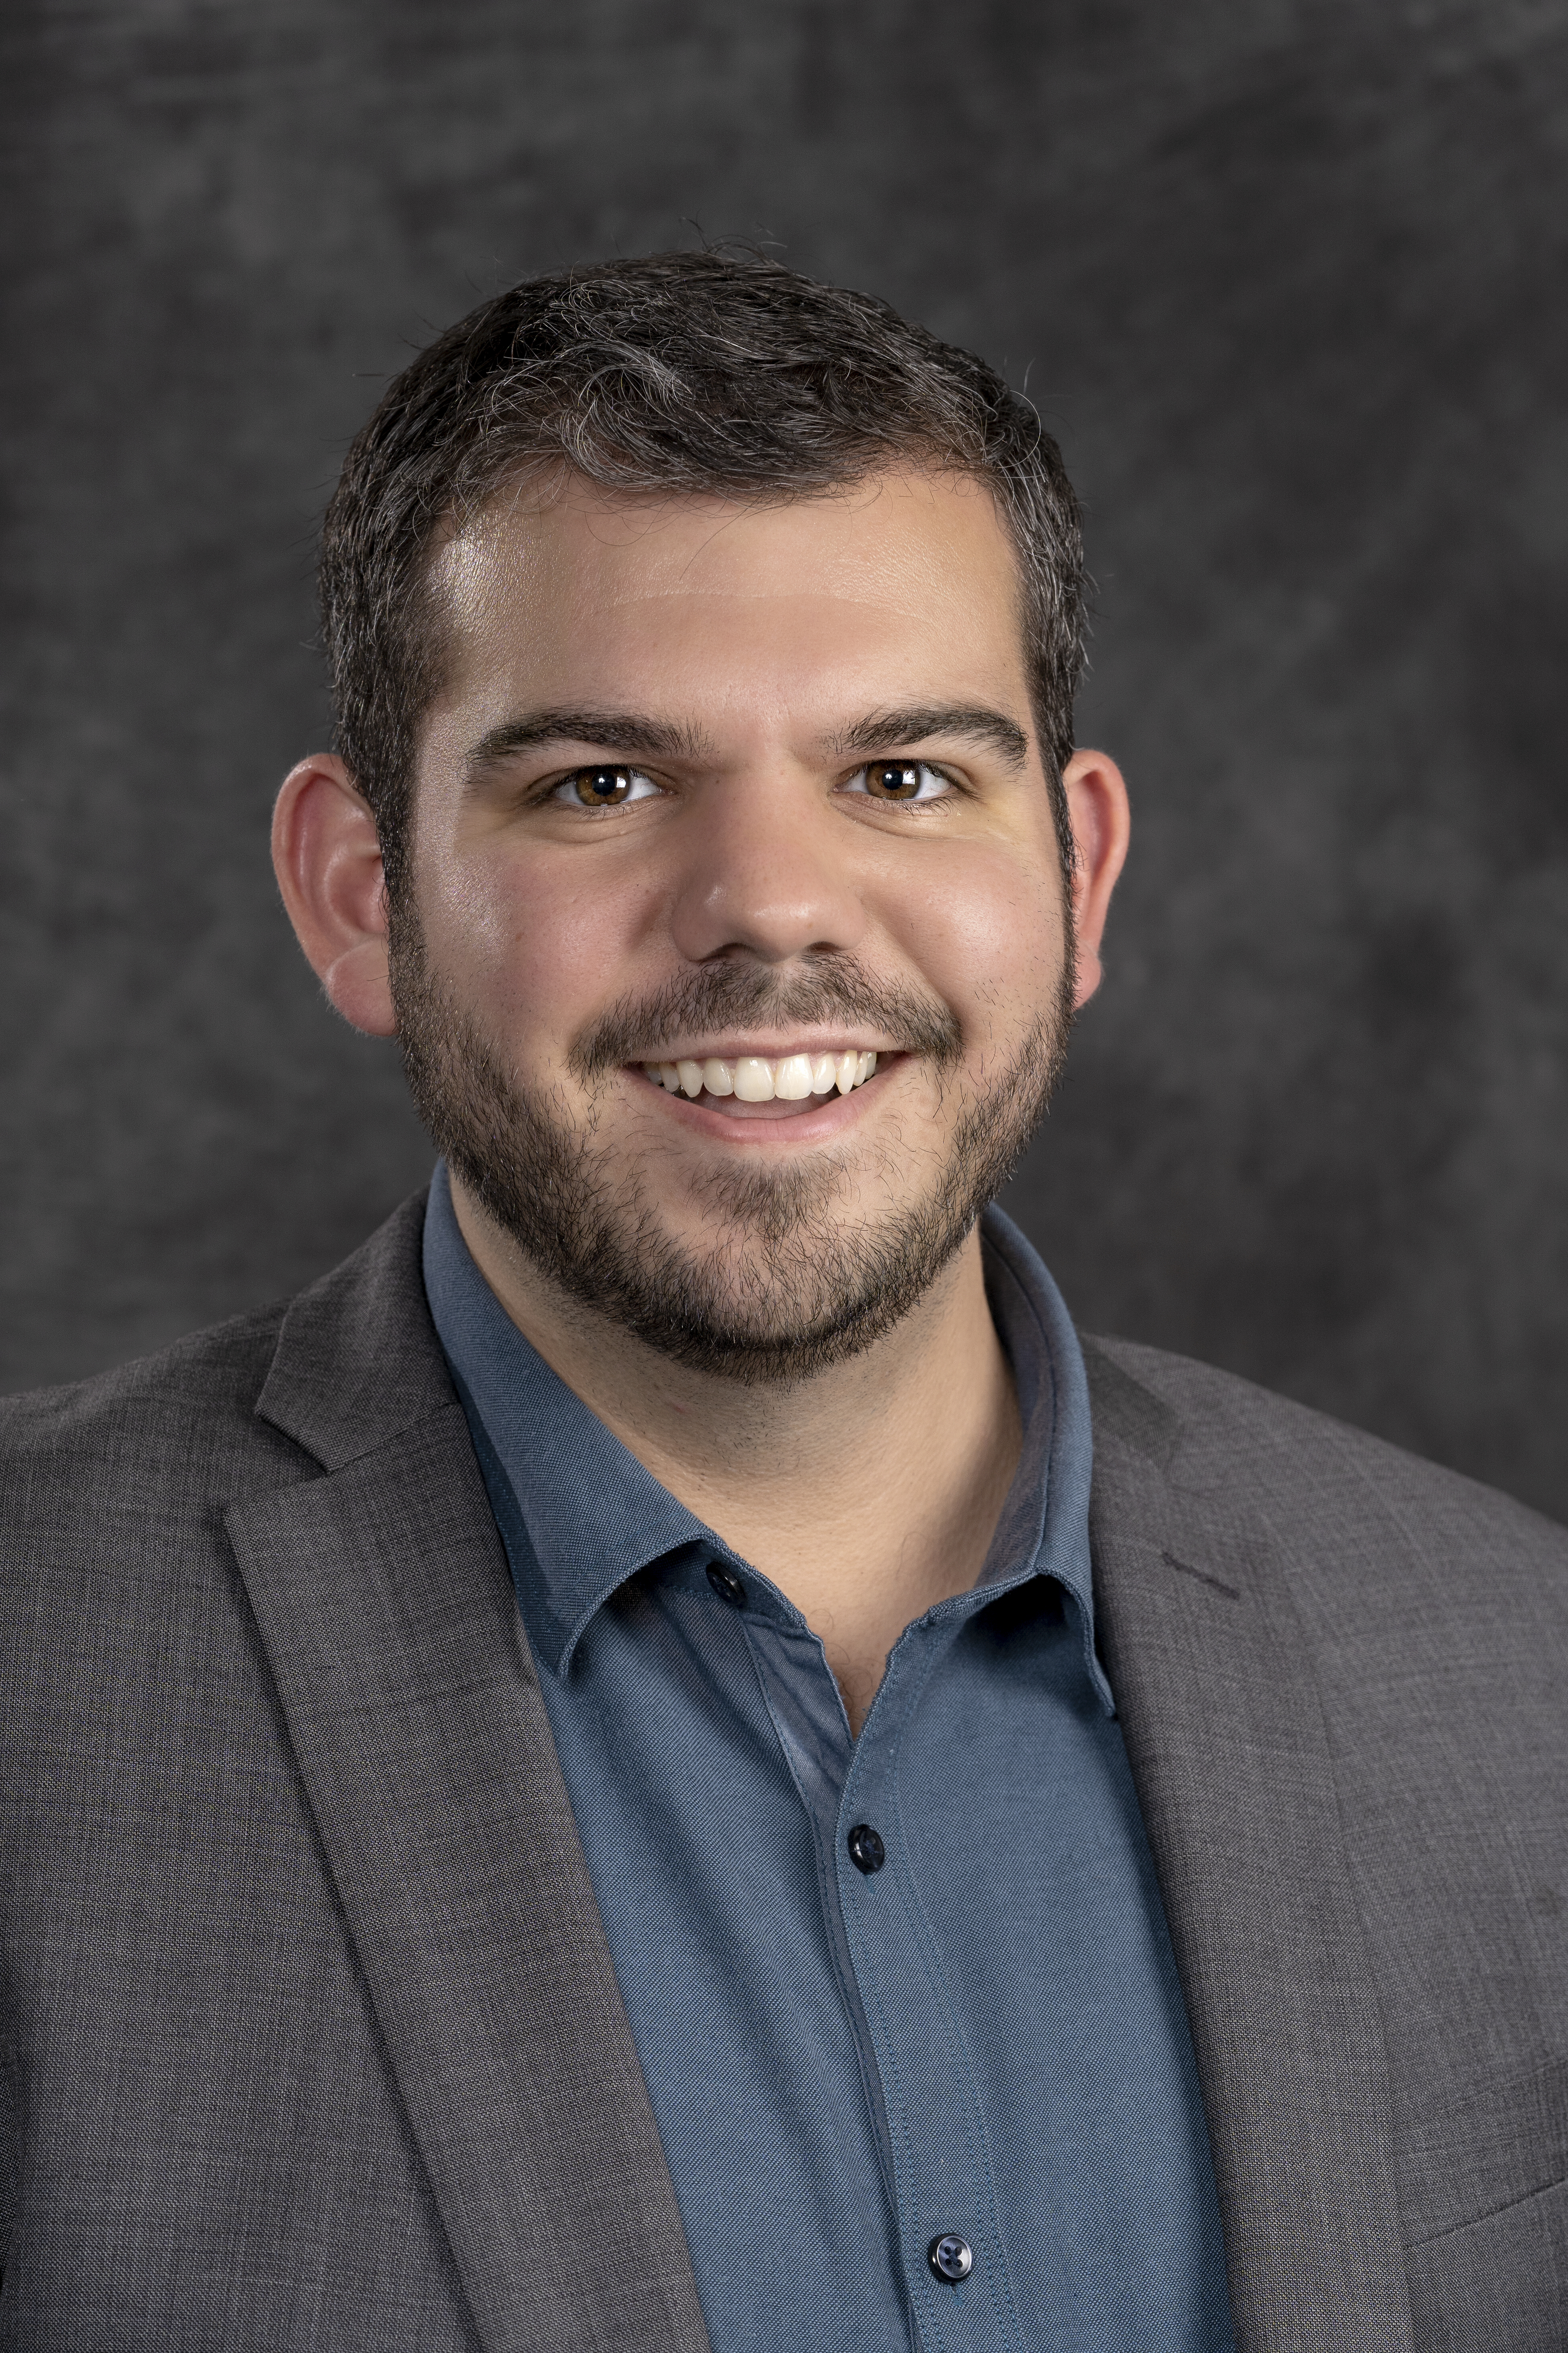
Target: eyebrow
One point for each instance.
(631, 732)
(885, 731)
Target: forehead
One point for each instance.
(573, 592)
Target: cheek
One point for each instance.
(539, 945)
(987, 933)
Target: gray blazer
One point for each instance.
(311, 2038)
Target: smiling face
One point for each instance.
(736, 963)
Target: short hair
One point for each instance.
(695, 372)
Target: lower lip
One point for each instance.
(768, 1123)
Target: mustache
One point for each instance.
(726, 995)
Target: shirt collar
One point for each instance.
(591, 1514)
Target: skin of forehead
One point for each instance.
(572, 568)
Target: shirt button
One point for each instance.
(727, 1584)
(950, 2257)
(866, 1852)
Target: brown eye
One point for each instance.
(900, 780)
(601, 787)
(893, 780)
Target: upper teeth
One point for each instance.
(754, 1079)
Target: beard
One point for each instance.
(787, 1278)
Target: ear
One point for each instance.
(326, 855)
(1101, 821)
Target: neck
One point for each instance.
(867, 1493)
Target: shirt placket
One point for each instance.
(914, 2059)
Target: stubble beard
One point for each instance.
(788, 1281)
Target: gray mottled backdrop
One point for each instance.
(1288, 281)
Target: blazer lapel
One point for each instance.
(1215, 1692)
(384, 1600)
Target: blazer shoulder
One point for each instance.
(1214, 1431)
(141, 1463)
(285, 1388)
(182, 1419)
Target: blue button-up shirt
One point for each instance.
(983, 2036)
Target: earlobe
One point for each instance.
(358, 986)
(1101, 822)
(326, 855)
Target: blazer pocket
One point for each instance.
(1478, 2157)
(1500, 2282)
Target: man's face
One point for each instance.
(748, 792)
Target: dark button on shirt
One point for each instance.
(978, 2042)
(866, 1849)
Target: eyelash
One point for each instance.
(558, 788)
(930, 767)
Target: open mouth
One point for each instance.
(756, 1086)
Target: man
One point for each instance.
(665, 1758)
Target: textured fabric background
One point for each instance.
(1287, 280)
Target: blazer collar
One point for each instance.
(1215, 1689)
(383, 1601)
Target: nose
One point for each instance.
(766, 870)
